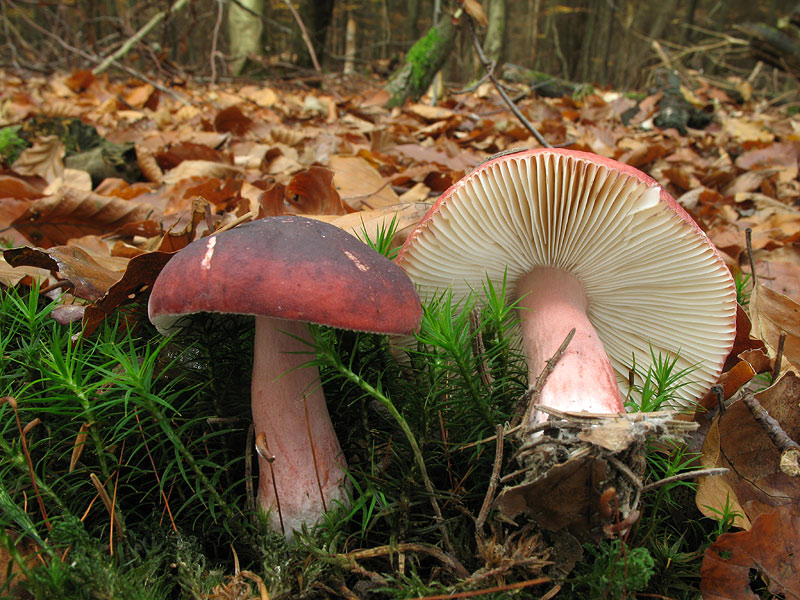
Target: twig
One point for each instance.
(490, 70)
(529, 397)
(304, 33)
(790, 450)
(687, 475)
(491, 438)
(776, 369)
(719, 392)
(214, 38)
(625, 469)
(143, 31)
(500, 588)
(455, 566)
(489, 498)
(748, 236)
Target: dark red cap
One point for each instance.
(287, 267)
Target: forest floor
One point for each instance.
(104, 179)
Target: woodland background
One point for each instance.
(605, 42)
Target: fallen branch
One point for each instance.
(789, 449)
(133, 40)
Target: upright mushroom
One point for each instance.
(289, 271)
(586, 243)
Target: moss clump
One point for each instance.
(423, 58)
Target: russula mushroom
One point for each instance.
(289, 271)
(587, 243)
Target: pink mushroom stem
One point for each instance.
(553, 302)
(307, 474)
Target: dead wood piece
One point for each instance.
(790, 450)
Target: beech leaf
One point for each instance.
(770, 548)
(54, 220)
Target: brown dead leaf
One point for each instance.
(731, 381)
(20, 188)
(147, 162)
(232, 120)
(781, 157)
(80, 80)
(139, 96)
(360, 185)
(138, 278)
(174, 155)
(45, 159)
(264, 97)
(769, 548)
(544, 498)
(89, 279)
(744, 340)
(773, 313)
(747, 131)
(475, 10)
(74, 178)
(428, 112)
(10, 276)
(312, 192)
(755, 483)
(11, 577)
(54, 220)
(199, 168)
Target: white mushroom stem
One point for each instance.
(307, 475)
(552, 303)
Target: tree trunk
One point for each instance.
(423, 61)
(494, 42)
(350, 44)
(244, 32)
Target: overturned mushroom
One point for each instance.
(586, 243)
(289, 271)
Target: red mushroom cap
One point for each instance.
(287, 267)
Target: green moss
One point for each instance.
(11, 145)
(422, 58)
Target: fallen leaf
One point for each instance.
(769, 550)
(773, 313)
(755, 483)
(428, 112)
(54, 220)
(312, 192)
(88, 278)
(359, 184)
(45, 159)
(232, 120)
(199, 168)
(138, 278)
